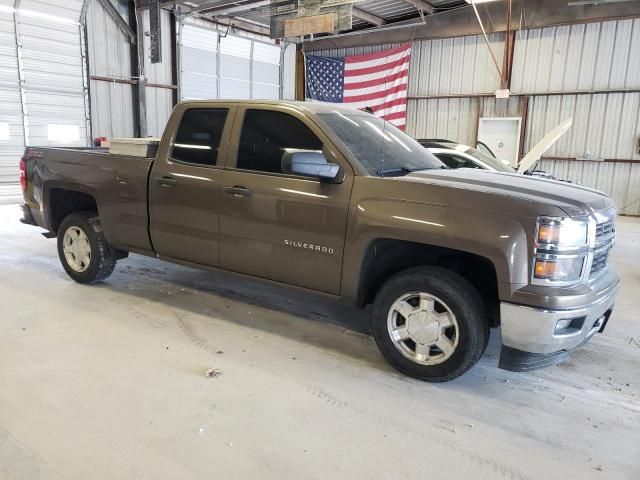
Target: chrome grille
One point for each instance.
(599, 262)
(605, 236)
(604, 232)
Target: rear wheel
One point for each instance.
(82, 248)
(430, 323)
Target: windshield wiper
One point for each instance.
(392, 171)
(402, 171)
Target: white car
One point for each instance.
(457, 155)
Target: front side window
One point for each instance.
(266, 135)
(199, 134)
(380, 147)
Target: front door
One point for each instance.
(282, 227)
(184, 186)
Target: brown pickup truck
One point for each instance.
(339, 202)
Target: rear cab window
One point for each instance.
(198, 137)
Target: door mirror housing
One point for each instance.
(311, 164)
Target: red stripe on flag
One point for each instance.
(376, 69)
(374, 56)
(371, 96)
(392, 103)
(394, 116)
(377, 81)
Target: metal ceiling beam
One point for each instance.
(231, 7)
(462, 22)
(241, 24)
(368, 17)
(422, 5)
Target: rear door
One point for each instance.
(184, 185)
(282, 227)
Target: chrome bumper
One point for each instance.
(533, 330)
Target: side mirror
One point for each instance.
(312, 164)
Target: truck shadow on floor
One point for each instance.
(266, 307)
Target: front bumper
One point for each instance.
(530, 339)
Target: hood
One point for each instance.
(574, 200)
(531, 158)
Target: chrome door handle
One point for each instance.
(237, 191)
(166, 181)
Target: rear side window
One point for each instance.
(266, 135)
(199, 134)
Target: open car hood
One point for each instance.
(531, 158)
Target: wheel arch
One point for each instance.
(61, 200)
(385, 257)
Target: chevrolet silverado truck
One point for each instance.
(339, 202)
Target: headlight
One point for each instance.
(561, 233)
(559, 269)
(560, 251)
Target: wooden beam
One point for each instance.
(368, 17)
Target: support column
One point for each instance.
(21, 80)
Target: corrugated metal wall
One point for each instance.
(575, 70)
(455, 118)
(449, 118)
(605, 126)
(110, 56)
(583, 57)
(453, 66)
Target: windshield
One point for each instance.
(381, 148)
(499, 165)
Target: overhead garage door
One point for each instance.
(216, 66)
(43, 94)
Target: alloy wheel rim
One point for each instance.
(423, 328)
(77, 249)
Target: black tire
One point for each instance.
(102, 262)
(463, 301)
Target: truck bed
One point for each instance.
(118, 183)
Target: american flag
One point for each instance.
(376, 80)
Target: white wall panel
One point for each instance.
(604, 125)
(289, 73)
(112, 108)
(449, 66)
(581, 57)
(446, 118)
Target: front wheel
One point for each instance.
(430, 323)
(82, 248)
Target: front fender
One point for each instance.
(501, 240)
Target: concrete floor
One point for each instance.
(108, 381)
